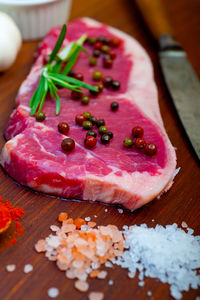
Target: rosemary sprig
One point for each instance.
(54, 73)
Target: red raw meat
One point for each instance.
(109, 173)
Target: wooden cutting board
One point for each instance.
(181, 203)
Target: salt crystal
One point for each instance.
(102, 275)
(95, 296)
(10, 268)
(106, 210)
(40, 246)
(53, 292)
(167, 253)
(141, 283)
(108, 264)
(87, 219)
(54, 228)
(70, 274)
(120, 210)
(95, 216)
(82, 286)
(28, 268)
(149, 293)
(184, 224)
(110, 282)
(131, 274)
(152, 220)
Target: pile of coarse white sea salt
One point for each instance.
(167, 253)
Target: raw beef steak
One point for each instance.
(109, 173)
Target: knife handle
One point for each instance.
(155, 16)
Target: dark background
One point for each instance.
(181, 203)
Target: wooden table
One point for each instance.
(181, 203)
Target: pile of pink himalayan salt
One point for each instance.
(80, 249)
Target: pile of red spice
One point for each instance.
(10, 216)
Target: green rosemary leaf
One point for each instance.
(51, 90)
(57, 102)
(58, 43)
(33, 98)
(73, 81)
(84, 50)
(38, 96)
(66, 52)
(45, 91)
(64, 83)
(71, 62)
(57, 67)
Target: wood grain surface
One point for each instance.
(181, 203)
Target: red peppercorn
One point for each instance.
(63, 128)
(76, 95)
(115, 42)
(90, 141)
(137, 132)
(112, 54)
(80, 118)
(107, 81)
(107, 63)
(68, 144)
(79, 76)
(140, 143)
(98, 45)
(150, 149)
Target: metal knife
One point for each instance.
(181, 80)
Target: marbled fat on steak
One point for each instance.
(109, 173)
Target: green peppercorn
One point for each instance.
(93, 61)
(92, 119)
(40, 116)
(91, 133)
(87, 114)
(85, 100)
(105, 49)
(105, 139)
(100, 86)
(91, 40)
(114, 106)
(128, 143)
(100, 122)
(97, 75)
(87, 125)
(103, 130)
(96, 53)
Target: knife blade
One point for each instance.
(181, 80)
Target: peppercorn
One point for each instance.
(105, 49)
(79, 76)
(97, 75)
(107, 40)
(110, 134)
(63, 128)
(40, 116)
(107, 81)
(105, 139)
(93, 61)
(71, 73)
(93, 93)
(90, 141)
(68, 144)
(98, 45)
(76, 95)
(85, 100)
(115, 85)
(114, 106)
(101, 39)
(91, 133)
(128, 143)
(80, 118)
(103, 130)
(100, 122)
(96, 53)
(115, 42)
(107, 63)
(150, 149)
(87, 115)
(112, 54)
(92, 40)
(137, 132)
(87, 125)
(92, 119)
(107, 56)
(140, 143)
